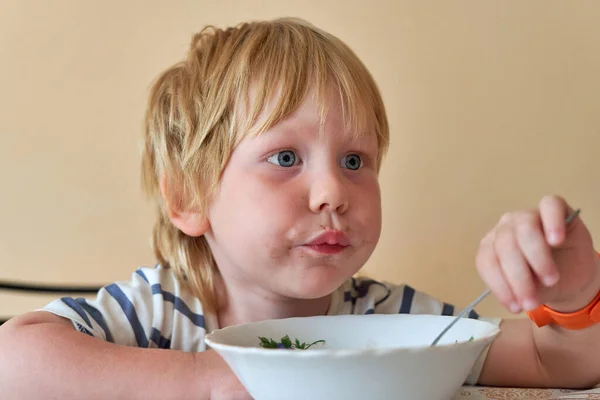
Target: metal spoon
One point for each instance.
(484, 294)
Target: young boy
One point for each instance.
(262, 151)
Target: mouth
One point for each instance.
(328, 242)
(325, 248)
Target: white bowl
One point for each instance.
(370, 357)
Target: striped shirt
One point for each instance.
(153, 310)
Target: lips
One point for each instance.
(331, 238)
(328, 242)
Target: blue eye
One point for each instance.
(286, 158)
(352, 162)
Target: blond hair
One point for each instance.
(200, 106)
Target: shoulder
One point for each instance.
(149, 288)
(157, 274)
(158, 290)
(152, 308)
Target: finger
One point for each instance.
(553, 211)
(488, 266)
(515, 268)
(531, 241)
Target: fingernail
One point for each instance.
(550, 280)
(514, 308)
(529, 304)
(554, 237)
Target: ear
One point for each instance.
(191, 223)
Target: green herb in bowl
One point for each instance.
(470, 339)
(286, 343)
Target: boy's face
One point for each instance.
(297, 211)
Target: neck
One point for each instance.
(240, 302)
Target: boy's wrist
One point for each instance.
(215, 379)
(583, 299)
(202, 376)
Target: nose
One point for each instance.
(328, 192)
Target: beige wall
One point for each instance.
(492, 105)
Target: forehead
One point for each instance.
(322, 111)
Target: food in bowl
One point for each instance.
(286, 343)
(361, 357)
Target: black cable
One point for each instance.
(29, 287)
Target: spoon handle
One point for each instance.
(484, 294)
(460, 315)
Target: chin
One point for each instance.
(316, 283)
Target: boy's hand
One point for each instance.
(532, 257)
(224, 384)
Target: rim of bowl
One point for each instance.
(324, 352)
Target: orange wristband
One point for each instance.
(580, 319)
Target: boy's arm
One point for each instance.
(524, 355)
(42, 355)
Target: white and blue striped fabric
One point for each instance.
(153, 310)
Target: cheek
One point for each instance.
(275, 200)
(268, 218)
(259, 211)
(368, 204)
